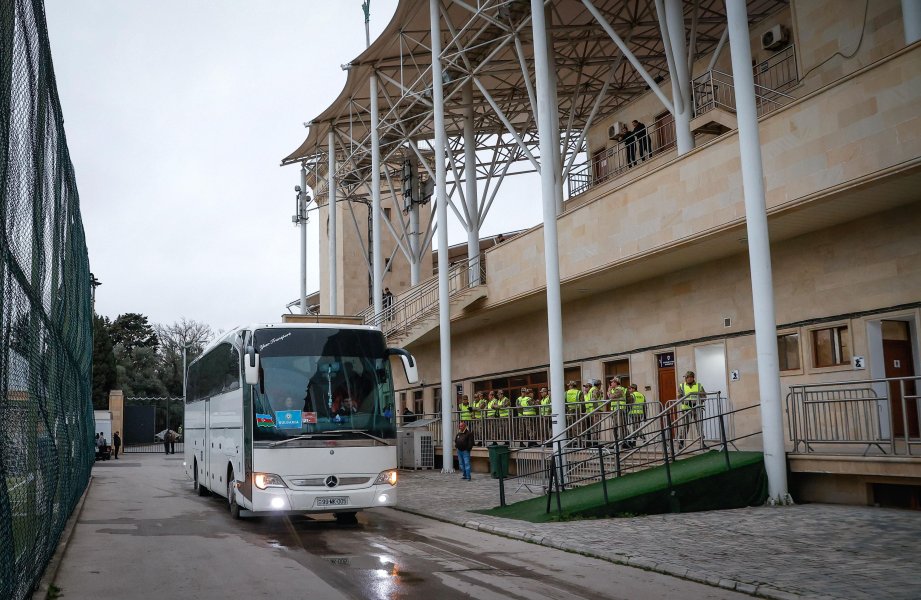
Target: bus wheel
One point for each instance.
(232, 496)
(347, 518)
(199, 488)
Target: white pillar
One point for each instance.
(375, 183)
(470, 189)
(441, 198)
(680, 78)
(555, 114)
(302, 223)
(911, 20)
(548, 195)
(759, 252)
(331, 227)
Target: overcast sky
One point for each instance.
(177, 114)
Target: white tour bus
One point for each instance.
(295, 418)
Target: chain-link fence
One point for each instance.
(46, 415)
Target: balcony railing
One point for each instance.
(773, 77)
(422, 300)
(627, 153)
(873, 416)
(713, 89)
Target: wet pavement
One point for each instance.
(804, 551)
(143, 533)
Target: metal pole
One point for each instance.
(331, 229)
(415, 264)
(911, 20)
(184, 372)
(441, 198)
(470, 189)
(681, 80)
(549, 196)
(375, 183)
(302, 223)
(759, 253)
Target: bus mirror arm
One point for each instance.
(251, 366)
(409, 364)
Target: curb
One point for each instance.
(639, 562)
(51, 570)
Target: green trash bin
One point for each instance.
(498, 461)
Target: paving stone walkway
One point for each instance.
(808, 551)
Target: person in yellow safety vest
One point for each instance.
(492, 406)
(466, 411)
(573, 397)
(691, 396)
(504, 433)
(479, 406)
(593, 396)
(528, 410)
(637, 413)
(545, 408)
(617, 395)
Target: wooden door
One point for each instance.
(900, 363)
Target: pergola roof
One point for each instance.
(489, 46)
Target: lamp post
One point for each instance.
(300, 219)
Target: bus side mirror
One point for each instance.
(251, 366)
(409, 364)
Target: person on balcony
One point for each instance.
(617, 394)
(388, 303)
(527, 411)
(642, 140)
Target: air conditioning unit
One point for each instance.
(616, 131)
(416, 449)
(774, 38)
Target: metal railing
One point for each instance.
(422, 301)
(834, 418)
(713, 89)
(658, 440)
(627, 153)
(774, 76)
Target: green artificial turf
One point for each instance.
(701, 482)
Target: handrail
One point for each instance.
(829, 417)
(421, 300)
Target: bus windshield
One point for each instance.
(322, 384)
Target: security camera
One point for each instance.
(297, 188)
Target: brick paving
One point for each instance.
(807, 551)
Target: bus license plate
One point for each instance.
(333, 501)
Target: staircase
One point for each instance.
(416, 312)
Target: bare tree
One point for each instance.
(192, 335)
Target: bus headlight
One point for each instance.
(387, 477)
(267, 480)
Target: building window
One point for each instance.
(788, 351)
(418, 404)
(617, 368)
(831, 347)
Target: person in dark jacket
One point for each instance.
(463, 441)
(117, 443)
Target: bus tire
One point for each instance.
(232, 496)
(347, 518)
(199, 488)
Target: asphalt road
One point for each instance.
(144, 534)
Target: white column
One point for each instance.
(375, 183)
(759, 253)
(680, 78)
(441, 198)
(302, 223)
(331, 233)
(548, 196)
(555, 113)
(911, 20)
(470, 189)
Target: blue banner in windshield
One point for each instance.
(288, 419)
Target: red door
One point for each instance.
(900, 363)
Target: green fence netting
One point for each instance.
(46, 418)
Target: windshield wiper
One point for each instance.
(333, 433)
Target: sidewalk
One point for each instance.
(812, 550)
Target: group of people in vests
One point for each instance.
(623, 409)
